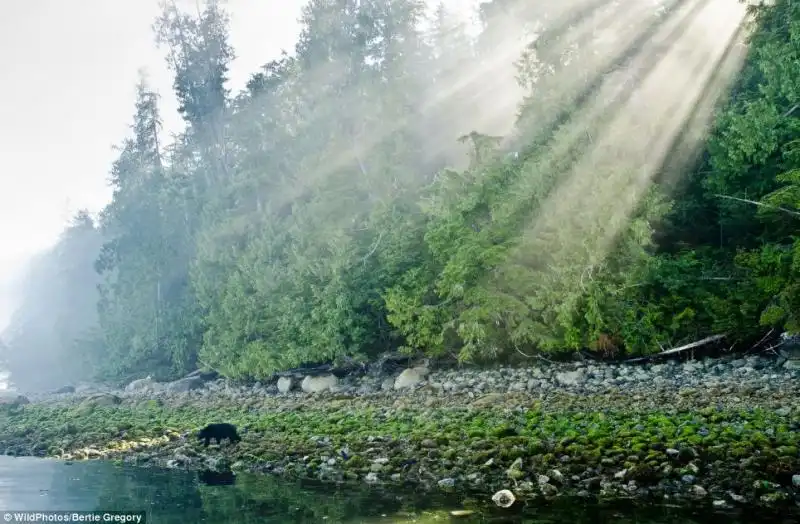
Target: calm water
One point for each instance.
(171, 496)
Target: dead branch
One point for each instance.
(761, 204)
(791, 110)
(679, 349)
(773, 347)
(640, 284)
(536, 356)
(586, 272)
(762, 339)
(374, 247)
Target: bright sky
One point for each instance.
(71, 70)
(68, 96)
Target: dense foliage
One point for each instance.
(313, 217)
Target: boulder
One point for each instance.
(790, 349)
(792, 365)
(141, 385)
(101, 400)
(411, 377)
(285, 384)
(319, 384)
(184, 384)
(571, 378)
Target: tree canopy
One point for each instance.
(323, 212)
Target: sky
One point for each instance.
(71, 68)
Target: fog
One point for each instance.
(235, 233)
(61, 138)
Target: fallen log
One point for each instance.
(679, 349)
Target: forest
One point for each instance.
(357, 197)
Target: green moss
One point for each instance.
(511, 454)
(643, 473)
(504, 430)
(481, 457)
(739, 452)
(515, 474)
(450, 454)
(568, 440)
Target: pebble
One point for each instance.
(735, 381)
(447, 483)
(579, 377)
(737, 498)
(548, 490)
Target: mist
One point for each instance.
(57, 301)
(472, 184)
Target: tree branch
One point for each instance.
(678, 349)
(761, 204)
(791, 110)
(374, 247)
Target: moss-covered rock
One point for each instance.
(751, 453)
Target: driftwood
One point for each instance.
(387, 363)
(322, 369)
(679, 349)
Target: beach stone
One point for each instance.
(319, 384)
(411, 377)
(285, 384)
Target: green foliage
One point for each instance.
(747, 195)
(148, 320)
(309, 217)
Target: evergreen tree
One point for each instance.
(145, 286)
(310, 217)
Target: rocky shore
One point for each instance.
(720, 432)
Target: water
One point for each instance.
(172, 497)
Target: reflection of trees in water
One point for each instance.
(174, 496)
(171, 497)
(257, 498)
(28, 484)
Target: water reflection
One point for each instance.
(214, 478)
(171, 496)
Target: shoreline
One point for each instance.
(722, 433)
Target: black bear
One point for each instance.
(218, 432)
